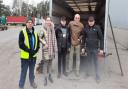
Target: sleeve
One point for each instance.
(56, 32)
(83, 38)
(69, 25)
(21, 42)
(38, 45)
(100, 36)
(69, 38)
(54, 41)
(42, 37)
(81, 33)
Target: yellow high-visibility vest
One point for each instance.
(25, 54)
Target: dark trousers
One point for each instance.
(92, 55)
(25, 64)
(62, 61)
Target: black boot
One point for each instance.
(33, 85)
(65, 73)
(50, 78)
(21, 88)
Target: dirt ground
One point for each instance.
(110, 71)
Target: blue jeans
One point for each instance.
(92, 56)
(24, 67)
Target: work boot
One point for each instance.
(21, 87)
(50, 78)
(45, 81)
(59, 75)
(33, 85)
(65, 74)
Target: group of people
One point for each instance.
(65, 39)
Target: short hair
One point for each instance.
(63, 18)
(91, 18)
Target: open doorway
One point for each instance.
(84, 7)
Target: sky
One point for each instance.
(9, 2)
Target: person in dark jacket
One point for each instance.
(94, 43)
(63, 42)
(29, 46)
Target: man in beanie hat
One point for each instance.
(94, 44)
(29, 46)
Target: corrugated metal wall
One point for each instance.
(119, 13)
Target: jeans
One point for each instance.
(92, 57)
(24, 67)
(75, 49)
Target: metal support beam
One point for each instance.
(77, 5)
(115, 46)
(50, 8)
(106, 25)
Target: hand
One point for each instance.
(101, 52)
(83, 50)
(32, 53)
(52, 56)
(69, 49)
(45, 46)
(40, 39)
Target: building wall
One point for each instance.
(119, 13)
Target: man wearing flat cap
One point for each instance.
(94, 44)
(29, 46)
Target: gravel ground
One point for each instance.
(110, 71)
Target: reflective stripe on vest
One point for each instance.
(24, 54)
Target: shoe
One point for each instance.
(33, 85)
(21, 88)
(65, 74)
(77, 73)
(98, 80)
(87, 75)
(59, 75)
(50, 78)
(45, 82)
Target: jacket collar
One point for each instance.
(29, 31)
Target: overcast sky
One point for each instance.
(9, 2)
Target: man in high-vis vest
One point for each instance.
(29, 46)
